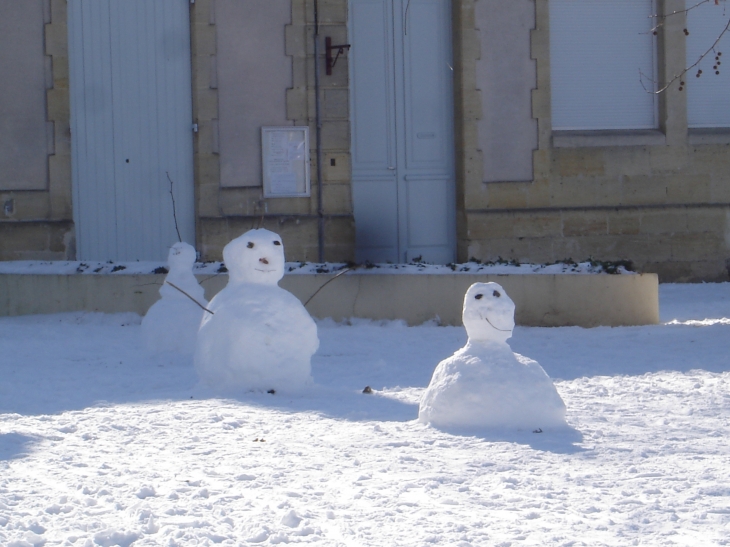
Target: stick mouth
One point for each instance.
(495, 327)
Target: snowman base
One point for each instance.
(260, 339)
(487, 386)
(170, 326)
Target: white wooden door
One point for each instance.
(131, 126)
(402, 130)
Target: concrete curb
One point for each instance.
(542, 300)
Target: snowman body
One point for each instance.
(259, 336)
(485, 385)
(172, 322)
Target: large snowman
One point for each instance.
(259, 336)
(172, 322)
(485, 385)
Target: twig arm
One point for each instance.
(190, 297)
(327, 283)
(174, 211)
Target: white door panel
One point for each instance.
(429, 225)
(131, 124)
(402, 130)
(427, 81)
(373, 145)
(378, 196)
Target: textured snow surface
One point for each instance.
(101, 444)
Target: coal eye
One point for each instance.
(277, 242)
(496, 293)
(250, 245)
(479, 296)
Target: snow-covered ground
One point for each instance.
(103, 445)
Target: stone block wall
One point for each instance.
(36, 214)
(661, 200)
(225, 211)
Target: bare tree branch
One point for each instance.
(174, 212)
(693, 65)
(662, 18)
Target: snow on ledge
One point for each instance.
(212, 268)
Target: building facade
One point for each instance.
(447, 130)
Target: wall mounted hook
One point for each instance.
(328, 47)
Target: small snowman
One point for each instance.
(484, 385)
(172, 322)
(259, 336)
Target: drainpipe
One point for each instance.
(320, 207)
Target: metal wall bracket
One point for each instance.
(328, 47)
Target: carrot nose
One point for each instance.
(263, 261)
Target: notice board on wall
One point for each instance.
(285, 161)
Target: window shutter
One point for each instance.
(597, 49)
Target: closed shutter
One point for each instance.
(131, 127)
(708, 97)
(597, 49)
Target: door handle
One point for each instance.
(391, 168)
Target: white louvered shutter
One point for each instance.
(597, 50)
(708, 97)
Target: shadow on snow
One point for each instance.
(14, 445)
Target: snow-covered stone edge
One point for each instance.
(87, 267)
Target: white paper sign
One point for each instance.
(283, 183)
(285, 163)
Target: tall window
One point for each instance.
(597, 49)
(708, 96)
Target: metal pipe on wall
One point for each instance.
(320, 206)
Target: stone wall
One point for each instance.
(506, 76)
(225, 208)
(660, 199)
(36, 215)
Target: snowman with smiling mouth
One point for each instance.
(258, 337)
(484, 385)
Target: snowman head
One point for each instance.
(255, 257)
(488, 313)
(181, 256)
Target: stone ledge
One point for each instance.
(719, 135)
(542, 300)
(591, 139)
